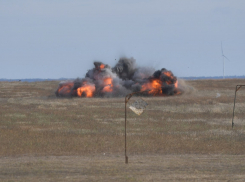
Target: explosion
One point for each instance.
(125, 77)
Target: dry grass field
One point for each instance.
(186, 137)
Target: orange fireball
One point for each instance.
(108, 85)
(154, 87)
(86, 89)
(65, 89)
(102, 66)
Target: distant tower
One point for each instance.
(223, 57)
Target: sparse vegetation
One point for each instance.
(46, 138)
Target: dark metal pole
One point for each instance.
(127, 97)
(126, 101)
(126, 157)
(237, 88)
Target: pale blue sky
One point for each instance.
(61, 38)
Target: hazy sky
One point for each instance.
(62, 38)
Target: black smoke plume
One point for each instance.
(125, 77)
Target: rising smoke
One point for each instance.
(125, 77)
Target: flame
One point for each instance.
(86, 89)
(102, 66)
(170, 76)
(66, 88)
(176, 84)
(176, 88)
(108, 85)
(154, 87)
(167, 73)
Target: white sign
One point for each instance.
(138, 106)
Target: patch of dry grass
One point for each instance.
(111, 168)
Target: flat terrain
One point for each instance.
(187, 137)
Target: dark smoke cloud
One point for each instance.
(125, 77)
